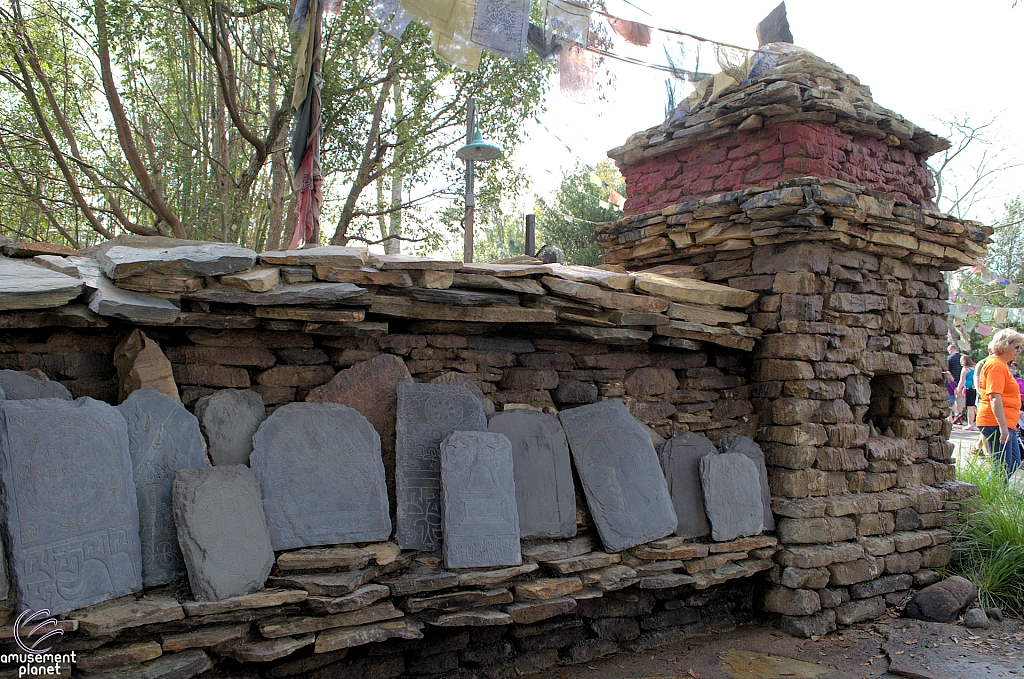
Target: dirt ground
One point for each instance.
(886, 648)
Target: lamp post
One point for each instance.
(476, 149)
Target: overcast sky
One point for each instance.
(921, 59)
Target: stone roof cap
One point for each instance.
(799, 87)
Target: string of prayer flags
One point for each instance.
(631, 31)
(984, 330)
(567, 21)
(575, 69)
(307, 179)
(501, 26)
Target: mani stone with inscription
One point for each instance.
(623, 483)
(680, 459)
(427, 415)
(732, 495)
(163, 437)
(19, 386)
(322, 476)
(222, 531)
(70, 511)
(543, 475)
(747, 446)
(230, 418)
(481, 523)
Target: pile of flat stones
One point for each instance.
(276, 542)
(338, 291)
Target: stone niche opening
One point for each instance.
(885, 389)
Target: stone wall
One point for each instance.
(775, 152)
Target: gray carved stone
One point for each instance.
(732, 495)
(30, 286)
(680, 459)
(427, 415)
(200, 259)
(222, 531)
(747, 446)
(623, 483)
(162, 438)
(18, 386)
(481, 523)
(543, 475)
(70, 513)
(320, 469)
(230, 418)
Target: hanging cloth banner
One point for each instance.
(451, 29)
(543, 48)
(631, 31)
(984, 330)
(575, 70)
(305, 139)
(567, 21)
(999, 316)
(501, 26)
(987, 313)
(391, 16)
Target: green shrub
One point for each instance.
(990, 545)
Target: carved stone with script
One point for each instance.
(230, 418)
(622, 480)
(70, 511)
(322, 477)
(732, 496)
(481, 523)
(747, 446)
(222, 531)
(427, 415)
(18, 386)
(543, 475)
(680, 459)
(163, 437)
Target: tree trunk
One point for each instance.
(279, 181)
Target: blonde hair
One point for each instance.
(1004, 340)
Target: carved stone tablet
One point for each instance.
(18, 386)
(732, 495)
(481, 524)
(427, 415)
(625, 489)
(322, 477)
(70, 510)
(540, 456)
(680, 459)
(230, 418)
(163, 437)
(747, 446)
(222, 531)
(369, 387)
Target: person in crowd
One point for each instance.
(999, 402)
(953, 372)
(965, 388)
(953, 359)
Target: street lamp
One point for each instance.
(476, 149)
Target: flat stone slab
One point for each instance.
(264, 599)
(184, 665)
(361, 598)
(71, 517)
(349, 637)
(202, 259)
(622, 480)
(320, 469)
(327, 584)
(741, 444)
(305, 293)
(464, 380)
(17, 386)
(222, 531)
(163, 437)
(203, 637)
(481, 522)
(680, 459)
(135, 307)
(545, 497)
(427, 415)
(264, 650)
(30, 286)
(230, 418)
(732, 495)
(110, 617)
(480, 617)
(382, 553)
(489, 578)
(329, 255)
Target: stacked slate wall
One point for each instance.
(847, 384)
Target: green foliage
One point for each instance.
(568, 222)
(990, 545)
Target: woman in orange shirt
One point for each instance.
(999, 401)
